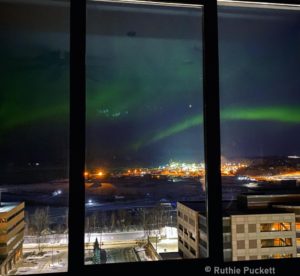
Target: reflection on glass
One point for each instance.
(260, 130)
(34, 54)
(144, 150)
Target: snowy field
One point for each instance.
(51, 260)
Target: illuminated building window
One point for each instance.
(271, 227)
(278, 242)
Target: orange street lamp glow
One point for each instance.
(86, 173)
(100, 173)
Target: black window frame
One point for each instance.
(212, 155)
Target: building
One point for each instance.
(254, 227)
(188, 228)
(11, 235)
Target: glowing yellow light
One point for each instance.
(129, 171)
(86, 173)
(100, 173)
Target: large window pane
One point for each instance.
(260, 130)
(144, 151)
(34, 77)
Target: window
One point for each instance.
(298, 242)
(271, 227)
(180, 227)
(191, 221)
(227, 238)
(144, 133)
(34, 136)
(240, 228)
(180, 240)
(259, 104)
(192, 237)
(252, 243)
(251, 228)
(278, 242)
(230, 168)
(202, 223)
(240, 244)
(203, 243)
(277, 256)
(193, 251)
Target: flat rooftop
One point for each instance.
(198, 206)
(232, 208)
(235, 211)
(8, 206)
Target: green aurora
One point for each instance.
(24, 111)
(279, 114)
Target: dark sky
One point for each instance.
(144, 86)
(259, 81)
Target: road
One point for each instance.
(104, 237)
(115, 237)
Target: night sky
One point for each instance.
(144, 87)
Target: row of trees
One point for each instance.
(146, 219)
(40, 225)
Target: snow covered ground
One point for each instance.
(141, 252)
(167, 245)
(51, 260)
(120, 247)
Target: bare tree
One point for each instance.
(95, 222)
(113, 220)
(147, 222)
(27, 224)
(40, 223)
(88, 229)
(160, 222)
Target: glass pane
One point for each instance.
(260, 130)
(34, 111)
(144, 150)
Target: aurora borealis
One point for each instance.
(144, 92)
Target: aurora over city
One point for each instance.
(141, 192)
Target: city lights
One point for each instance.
(184, 169)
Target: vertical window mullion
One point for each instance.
(77, 136)
(212, 132)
